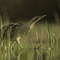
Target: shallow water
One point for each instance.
(29, 54)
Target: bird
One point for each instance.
(17, 30)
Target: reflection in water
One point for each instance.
(35, 55)
(28, 55)
(39, 55)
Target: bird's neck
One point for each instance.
(30, 26)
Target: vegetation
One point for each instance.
(42, 43)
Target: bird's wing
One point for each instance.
(11, 28)
(15, 28)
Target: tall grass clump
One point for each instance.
(4, 41)
(1, 31)
(49, 38)
(52, 42)
(51, 45)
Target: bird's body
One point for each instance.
(17, 30)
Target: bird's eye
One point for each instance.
(36, 18)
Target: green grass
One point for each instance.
(4, 40)
(1, 29)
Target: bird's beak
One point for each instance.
(40, 17)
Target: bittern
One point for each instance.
(17, 30)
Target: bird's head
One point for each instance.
(34, 20)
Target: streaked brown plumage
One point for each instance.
(17, 30)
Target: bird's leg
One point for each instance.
(19, 42)
(12, 44)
